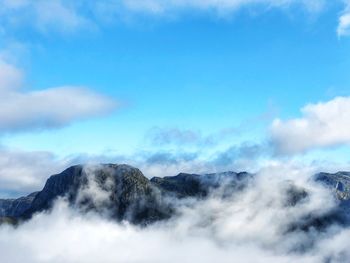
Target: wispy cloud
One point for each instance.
(220, 6)
(59, 15)
(68, 16)
(344, 21)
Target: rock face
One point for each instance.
(122, 192)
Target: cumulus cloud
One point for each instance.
(251, 225)
(49, 108)
(324, 124)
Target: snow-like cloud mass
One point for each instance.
(252, 225)
(48, 108)
(324, 124)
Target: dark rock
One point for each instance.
(120, 191)
(195, 185)
(338, 182)
(16, 207)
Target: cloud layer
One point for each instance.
(324, 124)
(49, 108)
(248, 226)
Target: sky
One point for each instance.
(170, 86)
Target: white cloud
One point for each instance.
(67, 16)
(23, 172)
(48, 108)
(249, 226)
(10, 77)
(60, 15)
(324, 124)
(344, 21)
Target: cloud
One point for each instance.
(250, 225)
(59, 15)
(23, 172)
(324, 124)
(175, 136)
(344, 21)
(69, 16)
(242, 156)
(49, 108)
(221, 6)
(165, 136)
(10, 77)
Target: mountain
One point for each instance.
(122, 192)
(16, 207)
(339, 183)
(195, 185)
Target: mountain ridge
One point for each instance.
(124, 193)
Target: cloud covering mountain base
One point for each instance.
(260, 223)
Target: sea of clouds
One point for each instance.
(249, 225)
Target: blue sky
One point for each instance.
(196, 72)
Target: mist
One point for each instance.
(259, 223)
